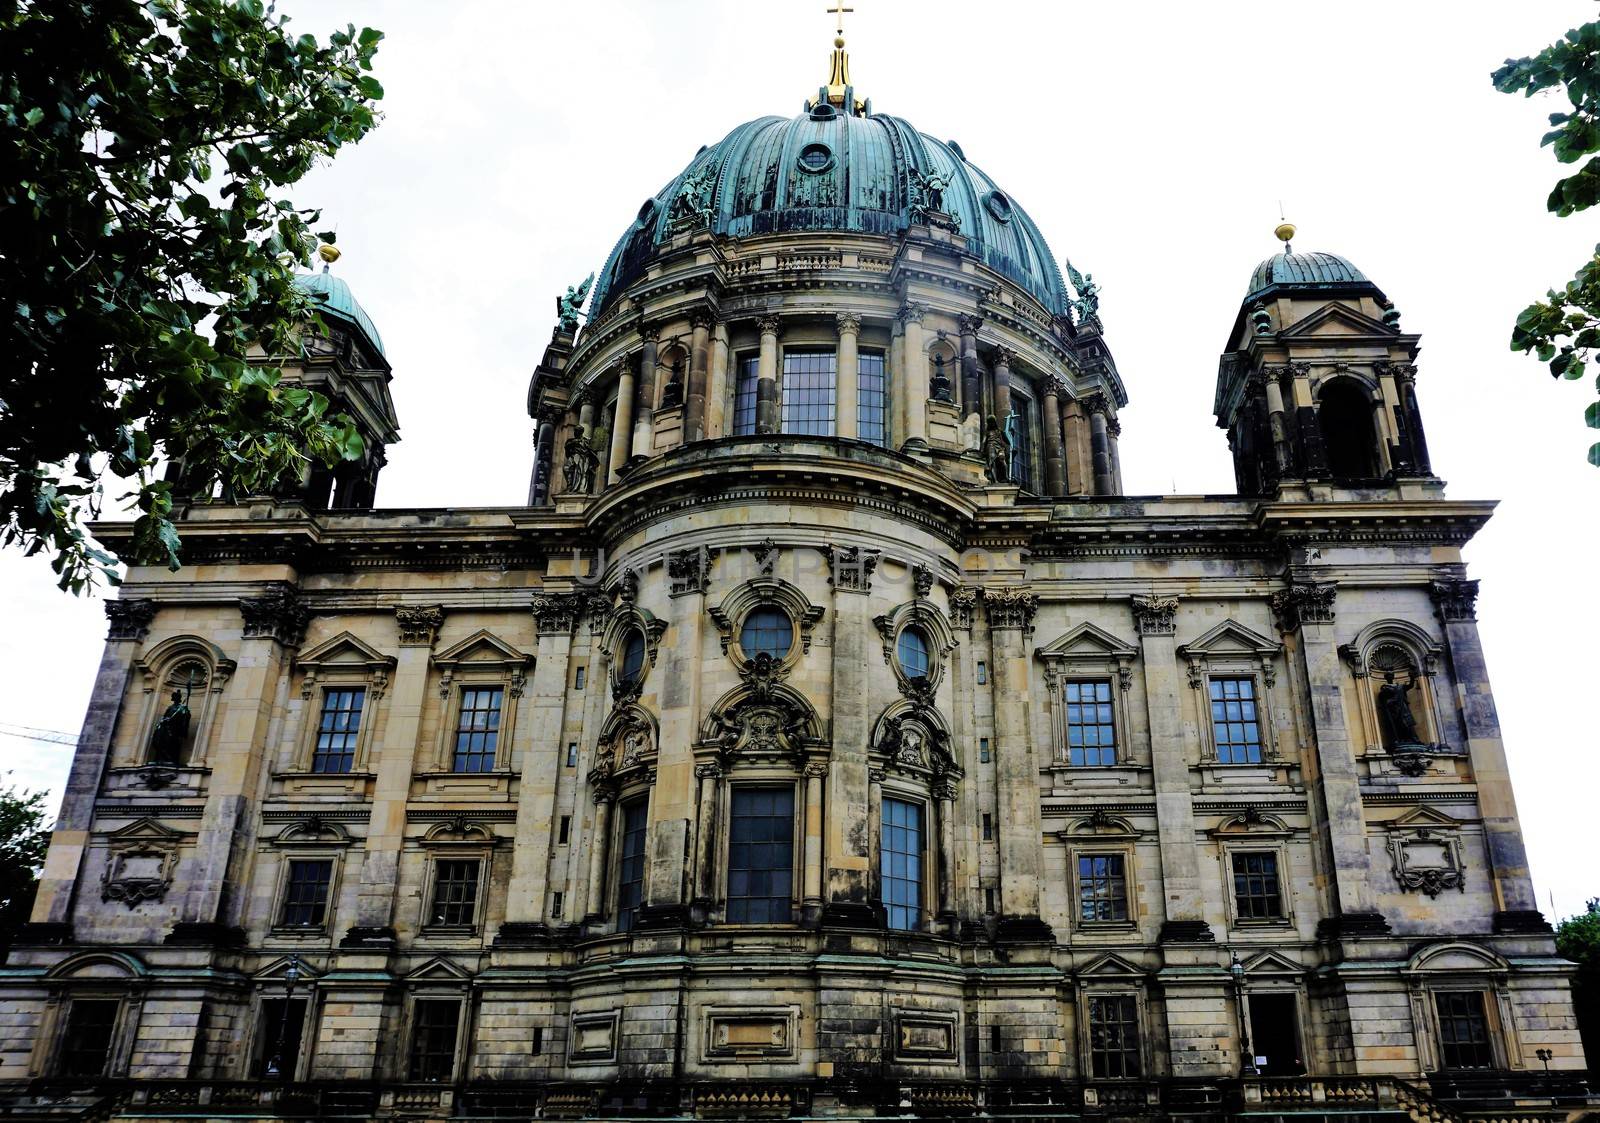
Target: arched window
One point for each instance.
(912, 651)
(767, 630)
(1348, 435)
(632, 656)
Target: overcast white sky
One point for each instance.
(1151, 142)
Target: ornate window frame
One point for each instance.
(1231, 650)
(1424, 830)
(1110, 974)
(1088, 653)
(1255, 832)
(924, 614)
(438, 980)
(1102, 833)
(341, 662)
(759, 776)
(501, 665)
(140, 862)
(1426, 654)
(92, 976)
(622, 619)
(310, 839)
(267, 986)
(457, 839)
(157, 669)
(1457, 965)
(765, 592)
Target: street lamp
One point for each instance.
(1236, 970)
(275, 1065)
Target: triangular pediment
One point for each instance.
(1111, 965)
(439, 970)
(481, 647)
(1424, 816)
(345, 650)
(144, 830)
(1087, 641)
(1337, 319)
(1230, 637)
(1271, 963)
(275, 969)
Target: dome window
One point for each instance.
(998, 205)
(647, 212)
(767, 631)
(912, 651)
(815, 158)
(822, 111)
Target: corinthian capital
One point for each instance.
(848, 323)
(769, 325)
(1010, 608)
(1455, 599)
(1155, 616)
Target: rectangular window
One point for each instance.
(278, 1046)
(983, 750)
(564, 830)
(761, 856)
(988, 901)
(1463, 1029)
(872, 398)
(1019, 429)
(808, 392)
(579, 676)
(1091, 731)
(86, 1046)
(744, 395)
(478, 728)
(1114, 1035)
(305, 900)
(557, 900)
(1233, 720)
(1102, 888)
(536, 1046)
(630, 864)
(983, 673)
(988, 826)
(433, 1039)
(1256, 894)
(572, 754)
(338, 729)
(901, 861)
(455, 891)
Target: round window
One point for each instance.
(816, 157)
(647, 211)
(913, 652)
(766, 631)
(633, 656)
(998, 205)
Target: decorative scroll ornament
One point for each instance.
(1304, 602)
(598, 607)
(1426, 853)
(763, 719)
(139, 863)
(627, 747)
(922, 580)
(765, 554)
(850, 568)
(419, 624)
(1155, 616)
(129, 619)
(277, 614)
(1455, 599)
(1010, 608)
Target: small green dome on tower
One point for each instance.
(1317, 271)
(335, 299)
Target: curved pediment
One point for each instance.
(1457, 955)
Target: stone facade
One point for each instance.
(1063, 791)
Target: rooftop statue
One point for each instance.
(569, 305)
(996, 453)
(1087, 305)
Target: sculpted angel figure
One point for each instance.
(569, 305)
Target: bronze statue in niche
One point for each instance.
(172, 728)
(1394, 699)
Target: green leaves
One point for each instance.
(1564, 329)
(146, 147)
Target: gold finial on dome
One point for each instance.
(1285, 232)
(835, 91)
(329, 252)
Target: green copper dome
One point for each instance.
(1306, 270)
(827, 170)
(336, 300)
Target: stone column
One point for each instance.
(769, 418)
(694, 412)
(1080, 465)
(1100, 445)
(914, 378)
(1282, 453)
(130, 623)
(527, 897)
(1406, 377)
(1002, 387)
(1305, 612)
(945, 803)
(622, 423)
(604, 798)
(1314, 455)
(1517, 908)
(847, 849)
(971, 374)
(274, 624)
(1018, 831)
(709, 776)
(543, 458)
(1155, 619)
(1113, 431)
(644, 420)
(1055, 464)
(717, 379)
(847, 387)
(394, 765)
(811, 893)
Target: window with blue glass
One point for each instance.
(872, 398)
(912, 650)
(338, 729)
(1091, 731)
(1233, 721)
(901, 860)
(808, 392)
(478, 728)
(632, 661)
(1019, 430)
(630, 864)
(744, 395)
(766, 630)
(761, 856)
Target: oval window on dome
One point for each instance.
(998, 205)
(647, 212)
(822, 111)
(632, 669)
(912, 650)
(815, 157)
(767, 631)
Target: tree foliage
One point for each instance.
(145, 246)
(1564, 328)
(1578, 939)
(23, 841)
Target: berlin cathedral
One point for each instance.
(828, 736)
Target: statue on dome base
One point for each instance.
(569, 306)
(580, 463)
(996, 453)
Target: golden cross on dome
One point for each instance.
(839, 11)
